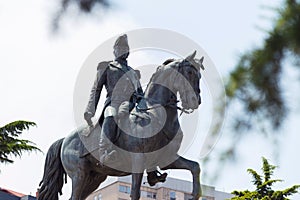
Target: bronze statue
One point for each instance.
(138, 153)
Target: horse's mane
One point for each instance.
(158, 69)
(168, 61)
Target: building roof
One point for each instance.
(7, 196)
(18, 194)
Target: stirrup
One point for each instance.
(107, 156)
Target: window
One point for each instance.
(147, 194)
(124, 189)
(95, 198)
(153, 195)
(100, 197)
(143, 193)
(172, 195)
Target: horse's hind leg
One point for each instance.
(182, 163)
(79, 180)
(136, 185)
(84, 183)
(137, 176)
(95, 180)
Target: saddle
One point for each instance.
(140, 124)
(90, 142)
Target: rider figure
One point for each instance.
(123, 88)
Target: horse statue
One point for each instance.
(138, 149)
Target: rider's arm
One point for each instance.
(95, 93)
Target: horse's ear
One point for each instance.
(200, 62)
(192, 56)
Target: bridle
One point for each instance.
(171, 103)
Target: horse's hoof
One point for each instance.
(196, 196)
(163, 177)
(153, 180)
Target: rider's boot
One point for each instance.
(107, 136)
(153, 178)
(105, 153)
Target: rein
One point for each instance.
(170, 104)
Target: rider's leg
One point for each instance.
(108, 134)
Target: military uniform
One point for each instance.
(121, 83)
(123, 88)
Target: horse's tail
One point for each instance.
(54, 174)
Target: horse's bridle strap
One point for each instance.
(170, 104)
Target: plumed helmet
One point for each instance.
(121, 47)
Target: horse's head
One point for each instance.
(177, 76)
(187, 82)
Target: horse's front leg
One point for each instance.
(194, 168)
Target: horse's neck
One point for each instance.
(159, 95)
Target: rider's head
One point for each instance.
(121, 47)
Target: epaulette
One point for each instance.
(113, 63)
(103, 65)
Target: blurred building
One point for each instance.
(6, 194)
(172, 189)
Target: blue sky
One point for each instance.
(39, 70)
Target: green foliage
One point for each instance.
(255, 81)
(253, 88)
(84, 6)
(263, 184)
(9, 142)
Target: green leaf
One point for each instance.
(264, 189)
(10, 145)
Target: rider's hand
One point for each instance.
(88, 118)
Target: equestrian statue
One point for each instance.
(137, 130)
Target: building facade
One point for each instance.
(172, 189)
